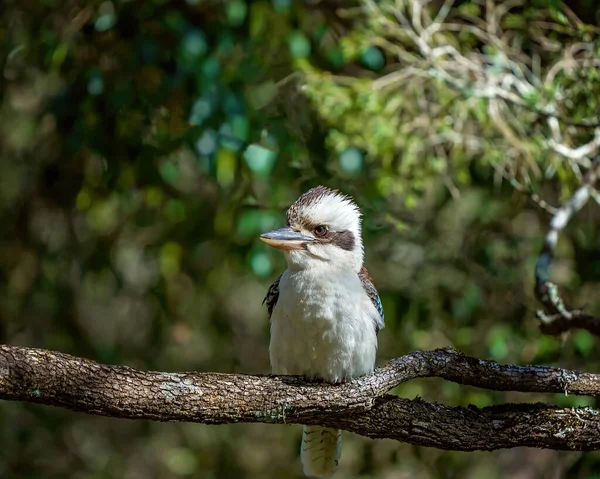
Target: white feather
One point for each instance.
(323, 326)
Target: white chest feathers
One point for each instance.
(323, 326)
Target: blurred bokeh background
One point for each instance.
(144, 146)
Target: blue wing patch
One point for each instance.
(272, 296)
(369, 287)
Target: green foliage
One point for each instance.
(439, 98)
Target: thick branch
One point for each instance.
(56, 379)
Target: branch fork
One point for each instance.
(360, 406)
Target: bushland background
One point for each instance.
(145, 145)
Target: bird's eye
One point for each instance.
(320, 230)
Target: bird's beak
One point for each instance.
(286, 239)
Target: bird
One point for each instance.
(324, 310)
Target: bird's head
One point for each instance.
(323, 229)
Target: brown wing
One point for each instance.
(272, 296)
(369, 287)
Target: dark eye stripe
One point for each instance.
(343, 239)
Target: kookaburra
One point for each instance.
(325, 312)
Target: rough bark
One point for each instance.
(360, 406)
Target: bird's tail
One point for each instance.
(321, 450)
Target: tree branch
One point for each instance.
(557, 317)
(360, 406)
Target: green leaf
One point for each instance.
(260, 159)
(236, 12)
(261, 264)
(240, 127)
(193, 47)
(299, 45)
(584, 342)
(201, 110)
(169, 171)
(95, 85)
(373, 58)
(261, 95)
(175, 211)
(207, 143)
(351, 160)
(260, 16)
(498, 338)
(282, 5)
(226, 167)
(105, 22)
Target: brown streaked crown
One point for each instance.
(306, 199)
(295, 218)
